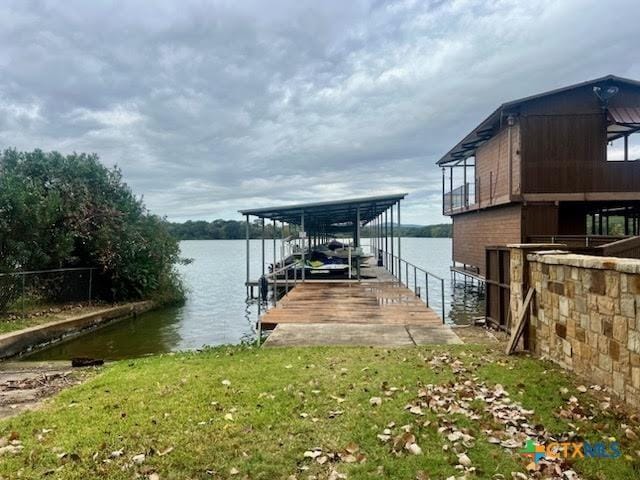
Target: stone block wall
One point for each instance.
(586, 315)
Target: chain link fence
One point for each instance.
(21, 292)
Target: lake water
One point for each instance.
(216, 311)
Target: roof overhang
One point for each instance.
(329, 216)
(623, 121)
(468, 145)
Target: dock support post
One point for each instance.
(358, 233)
(262, 247)
(274, 245)
(400, 251)
(386, 241)
(303, 244)
(248, 253)
(393, 257)
(263, 259)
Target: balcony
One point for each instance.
(459, 199)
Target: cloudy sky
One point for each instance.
(209, 107)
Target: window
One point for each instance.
(624, 148)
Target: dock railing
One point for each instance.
(420, 279)
(273, 280)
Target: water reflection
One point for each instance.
(149, 333)
(467, 302)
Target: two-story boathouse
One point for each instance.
(561, 166)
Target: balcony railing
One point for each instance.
(459, 198)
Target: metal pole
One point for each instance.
(274, 245)
(393, 259)
(386, 239)
(442, 290)
(248, 252)
(400, 246)
(275, 289)
(406, 274)
(263, 247)
(358, 233)
(282, 259)
(303, 244)
(443, 190)
(426, 288)
(415, 279)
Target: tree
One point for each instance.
(61, 211)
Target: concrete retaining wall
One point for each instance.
(586, 315)
(15, 343)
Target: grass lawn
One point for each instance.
(239, 412)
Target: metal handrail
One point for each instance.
(416, 269)
(275, 274)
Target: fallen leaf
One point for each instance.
(414, 449)
(464, 460)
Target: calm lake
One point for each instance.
(216, 311)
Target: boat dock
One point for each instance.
(386, 301)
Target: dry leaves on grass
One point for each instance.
(349, 454)
(491, 405)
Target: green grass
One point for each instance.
(179, 402)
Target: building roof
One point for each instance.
(328, 216)
(487, 128)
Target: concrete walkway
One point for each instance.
(360, 334)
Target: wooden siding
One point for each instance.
(567, 154)
(492, 167)
(474, 231)
(539, 220)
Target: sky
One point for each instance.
(209, 107)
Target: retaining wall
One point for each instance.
(21, 341)
(585, 315)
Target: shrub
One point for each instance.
(60, 211)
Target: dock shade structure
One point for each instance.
(319, 221)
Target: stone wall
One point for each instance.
(586, 315)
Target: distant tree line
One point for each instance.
(234, 230)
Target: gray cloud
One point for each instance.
(209, 107)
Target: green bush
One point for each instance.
(60, 211)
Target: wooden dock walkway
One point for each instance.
(375, 311)
(364, 302)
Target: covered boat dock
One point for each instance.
(383, 300)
